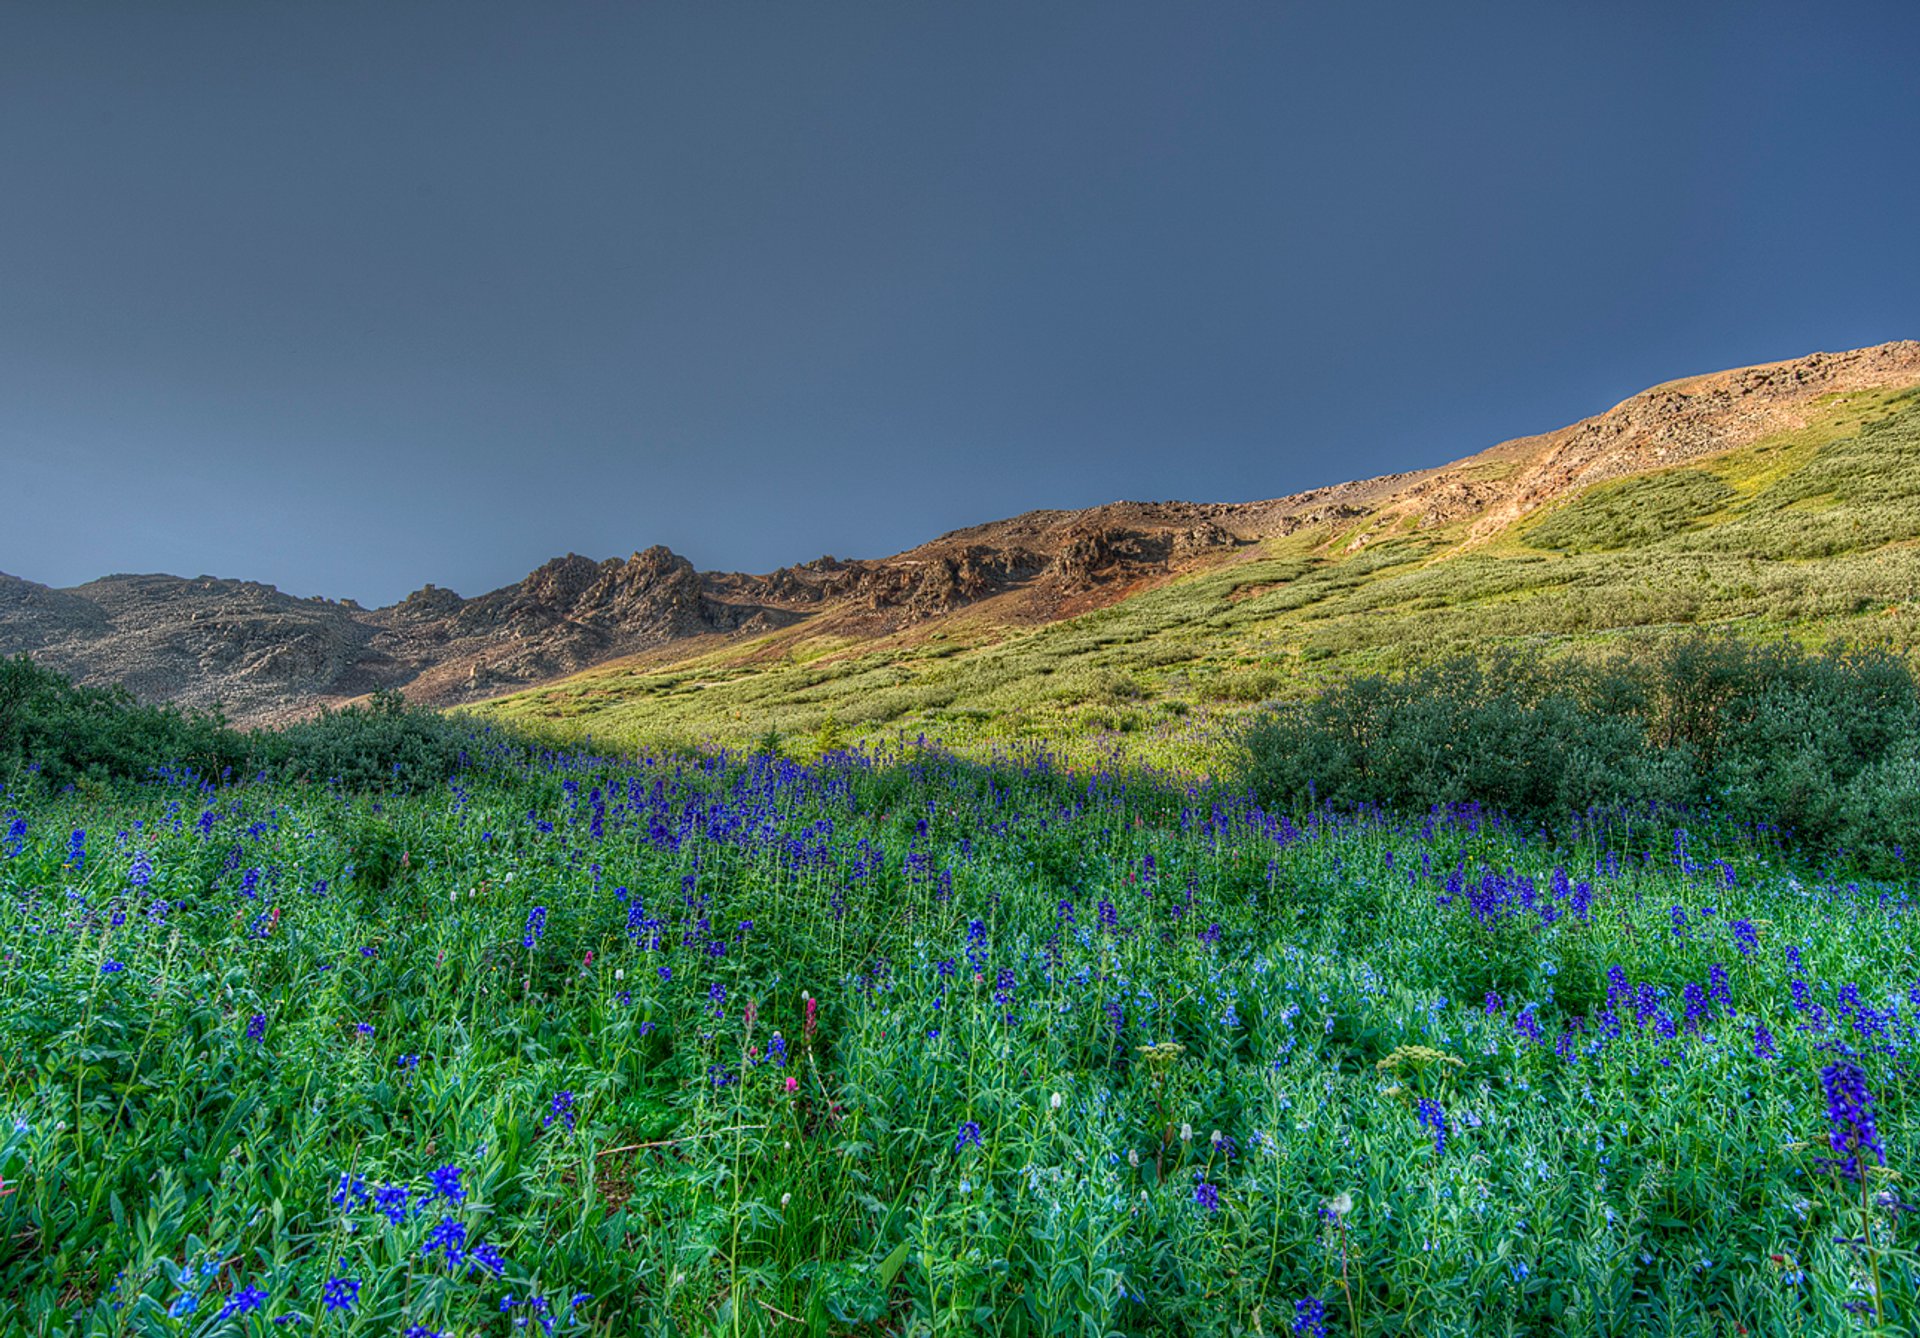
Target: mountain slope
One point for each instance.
(1778, 494)
(1775, 500)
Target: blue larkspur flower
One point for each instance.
(1850, 1115)
(449, 1240)
(341, 1293)
(244, 1301)
(446, 1183)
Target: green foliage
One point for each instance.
(1631, 513)
(384, 744)
(73, 733)
(1816, 743)
(1025, 1014)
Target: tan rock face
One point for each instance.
(267, 656)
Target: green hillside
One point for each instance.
(1813, 534)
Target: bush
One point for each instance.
(1819, 744)
(66, 733)
(385, 744)
(69, 733)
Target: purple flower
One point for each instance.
(257, 1027)
(1432, 1116)
(449, 1239)
(446, 1184)
(1718, 989)
(341, 1293)
(1853, 1131)
(1763, 1047)
(243, 1302)
(976, 949)
(352, 1192)
(969, 1136)
(485, 1257)
(561, 1109)
(1206, 1196)
(1527, 1024)
(1309, 1318)
(1494, 1003)
(390, 1201)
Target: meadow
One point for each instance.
(906, 1043)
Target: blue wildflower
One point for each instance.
(448, 1239)
(446, 1184)
(341, 1293)
(243, 1302)
(1849, 1114)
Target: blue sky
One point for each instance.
(350, 298)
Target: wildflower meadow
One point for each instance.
(901, 1043)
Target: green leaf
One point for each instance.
(890, 1266)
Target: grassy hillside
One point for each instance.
(1814, 534)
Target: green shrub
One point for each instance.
(1632, 512)
(385, 744)
(68, 733)
(1818, 744)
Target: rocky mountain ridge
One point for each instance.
(265, 656)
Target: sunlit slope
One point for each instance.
(1813, 532)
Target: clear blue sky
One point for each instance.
(352, 297)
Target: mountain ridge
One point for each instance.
(267, 657)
